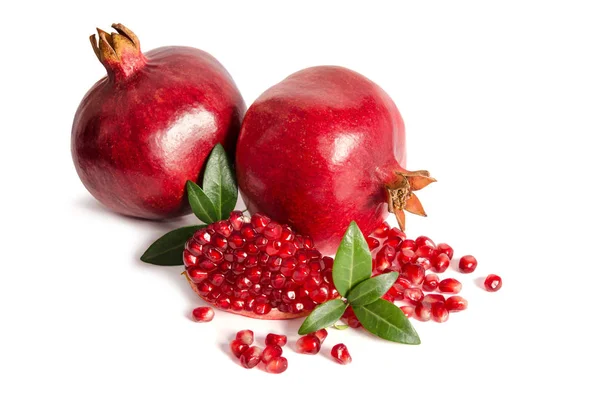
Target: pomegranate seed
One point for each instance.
(223, 302)
(406, 255)
(456, 303)
(408, 310)
(259, 222)
(275, 339)
(423, 240)
(402, 283)
(430, 283)
(287, 249)
(262, 308)
(439, 313)
(382, 260)
(250, 357)
(287, 234)
(245, 336)
(202, 236)
(444, 248)
(213, 254)
(321, 334)
(440, 263)
(270, 352)
(308, 344)
(372, 242)
(224, 228)
(236, 219)
(413, 295)
(396, 292)
(423, 311)
(319, 295)
(196, 274)
(450, 286)
(272, 231)
(194, 247)
(237, 304)
(203, 314)
(395, 232)
(467, 264)
(382, 230)
(433, 298)
(276, 365)
(300, 274)
(414, 273)
(216, 279)
(425, 251)
(237, 347)
(493, 283)
(408, 245)
(393, 242)
(341, 354)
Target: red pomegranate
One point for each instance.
(142, 131)
(322, 148)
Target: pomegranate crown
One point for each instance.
(119, 51)
(401, 197)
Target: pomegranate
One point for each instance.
(203, 314)
(275, 339)
(341, 354)
(322, 148)
(276, 365)
(493, 283)
(147, 127)
(257, 268)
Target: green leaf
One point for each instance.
(168, 250)
(352, 263)
(372, 289)
(201, 205)
(323, 316)
(384, 319)
(219, 182)
(341, 327)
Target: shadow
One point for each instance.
(479, 281)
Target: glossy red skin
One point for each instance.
(136, 142)
(315, 151)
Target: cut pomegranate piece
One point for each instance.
(450, 286)
(277, 365)
(203, 314)
(341, 354)
(456, 303)
(492, 283)
(251, 267)
(467, 264)
(308, 344)
(251, 357)
(275, 339)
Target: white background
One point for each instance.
(501, 102)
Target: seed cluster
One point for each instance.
(257, 265)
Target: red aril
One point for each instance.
(430, 283)
(147, 127)
(308, 344)
(467, 264)
(456, 303)
(251, 357)
(275, 339)
(443, 248)
(373, 243)
(321, 334)
(352, 152)
(341, 354)
(276, 365)
(423, 311)
(439, 313)
(440, 263)
(203, 314)
(238, 347)
(256, 278)
(245, 336)
(382, 230)
(408, 310)
(413, 295)
(433, 298)
(450, 286)
(492, 283)
(414, 273)
(270, 352)
(423, 240)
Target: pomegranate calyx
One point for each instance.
(401, 197)
(119, 52)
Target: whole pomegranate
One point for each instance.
(322, 148)
(258, 268)
(147, 127)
